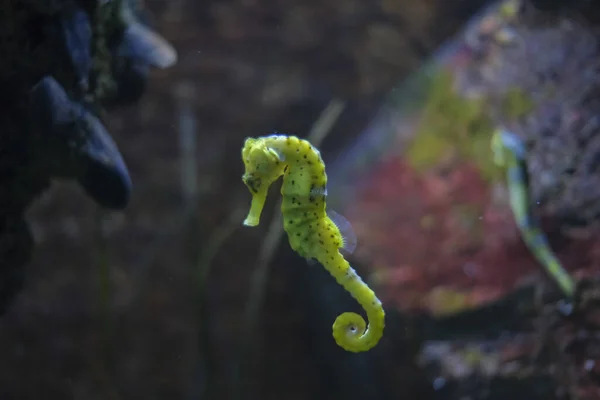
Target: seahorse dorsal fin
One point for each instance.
(348, 235)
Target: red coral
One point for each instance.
(422, 231)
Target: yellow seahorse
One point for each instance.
(313, 233)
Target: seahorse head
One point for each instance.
(263, 165)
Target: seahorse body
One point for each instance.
(311, 231)
(509, 152)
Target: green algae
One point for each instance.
(516, 103)
(451, 124)
(107, 21)
(509, 9)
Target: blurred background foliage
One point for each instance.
(156, 301)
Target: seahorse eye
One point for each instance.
(252, 182)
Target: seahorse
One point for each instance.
(509, 152)
(313, 233)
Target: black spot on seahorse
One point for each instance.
(254, 183)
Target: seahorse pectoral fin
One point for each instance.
(345, 228)
(256, 207)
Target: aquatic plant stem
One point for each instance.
(203, 382)
(104, 304)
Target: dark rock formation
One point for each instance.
(61, 63)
